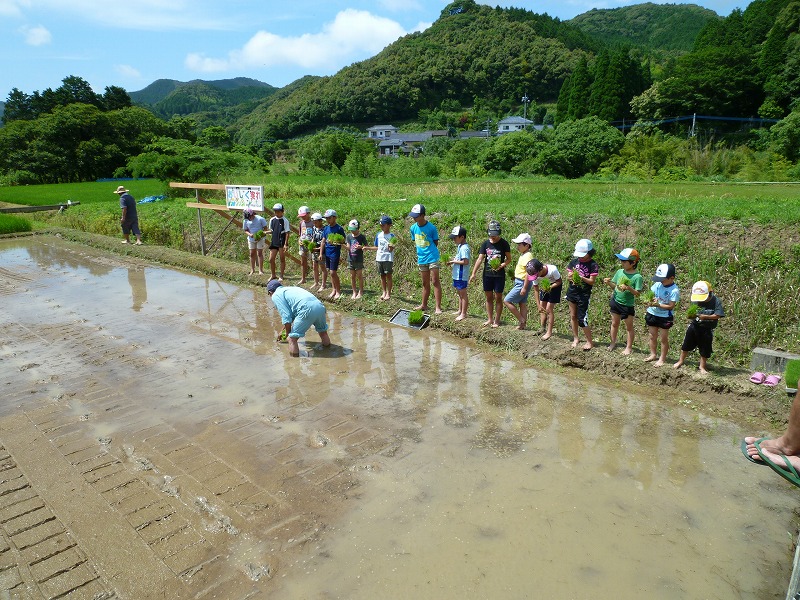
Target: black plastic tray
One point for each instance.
(401, 318)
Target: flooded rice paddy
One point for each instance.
(395, 464)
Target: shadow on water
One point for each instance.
(492, 479)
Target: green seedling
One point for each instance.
(576, 277)
(544, 284)
(691, 312)
(309, 245)
(624, 280)
(335, 238)
(494, 263)
(445, 258)
(648, 296)
(415, 317)
(283, 336)
(792, 373)
(258, 234)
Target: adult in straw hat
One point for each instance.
(129, 220)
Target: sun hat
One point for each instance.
(700, 291)
(417, 210)
(630, 254)
(522, 238)
(273, 285)
(582, 248)
(664, 271)
(458, 231)
(302, 211)
(386, 220)
(494, 228)
(248, 213)
(354, 225)
(316, 217)
(330, 213)
(121, 190)
(278, 206)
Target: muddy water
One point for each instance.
(454, 474)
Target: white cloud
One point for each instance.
(352, 35)
(128, 71)
(10, 8)
(36, 36)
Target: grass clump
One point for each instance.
(792, 373)
(14, 224)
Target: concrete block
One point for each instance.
(767, 360)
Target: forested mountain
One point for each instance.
(471, 53)
(167, 97)
(668, 28)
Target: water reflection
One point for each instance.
(138, 283)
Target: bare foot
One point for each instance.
(251, 273)
(627, 352)
(138, 243)
(587, 346)
(337, 296)
(650, 358)
(353, 296)
(495, 325)
(261, 272)
(521, 327)
(487, 323)
(703, 371)
(460, 318)
(678, 365)
(612, 346)
(124, 242)
(358, 296)
(438, 311)
(547, 336)
(422, 308)
(574, 344)
(301, 282)
(658, 363)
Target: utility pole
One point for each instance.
(525, 101)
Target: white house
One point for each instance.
(382, 132)
(510, 124)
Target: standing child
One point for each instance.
(254, 225)
(460, 264)
(522, 285)
(627, 284)
(495, 255)
(426, 240)
(659, 317)
(332, 251)
(279, 225)
(547, 296)
(384, 255)
(305, 229)
(355, 257)
(582, 271)
(319, 265)
(700, 333)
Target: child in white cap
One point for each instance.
(355, 257)
(582, 272)
(460, 266)
(254, 225)
(280, 229)
(700, 333)
(659, 317)
(305, 230)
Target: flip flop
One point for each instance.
(750, 458)
(758, 377)
(772, 380)
(789, 473)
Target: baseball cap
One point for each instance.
(278, 206)
(582, 248)
(417, 210)
(273, 285)
(458, 230)
(700, 291)
(664, 271)
(330, 213)
(494, 228)
(628, 254)
(248, 213)
(303, 210)
(316, 217)
(354, 225)
(386, 220)
(522, 238)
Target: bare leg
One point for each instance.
(283, 261)
(615, 318)
(489, 307)
(652, 339)
(437, 290)
(630, 332)
(498, 309)
(273, 252)
(703, 365)
(549, 317)
(664, 335)
(252, 261)
(681, 360)
(426, 289)
(326, 340)
(573, 321)
(587, 331)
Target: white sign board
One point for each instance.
(239, 197)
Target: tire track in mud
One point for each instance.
(214, 501)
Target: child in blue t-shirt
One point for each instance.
(384, 245)
(659, 317)
(332, 251)
(460, 264)
(426, 240)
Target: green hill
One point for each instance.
(670, 28)
(472, 51)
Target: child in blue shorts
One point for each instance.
(332, 252)
(460, 264)
(522, 285)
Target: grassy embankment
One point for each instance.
(744, 239)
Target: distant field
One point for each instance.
(85, 193)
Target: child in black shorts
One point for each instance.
(700, 333)
(582, 272)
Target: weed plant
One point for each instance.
(10, 223)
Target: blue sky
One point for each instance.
(131, 43)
